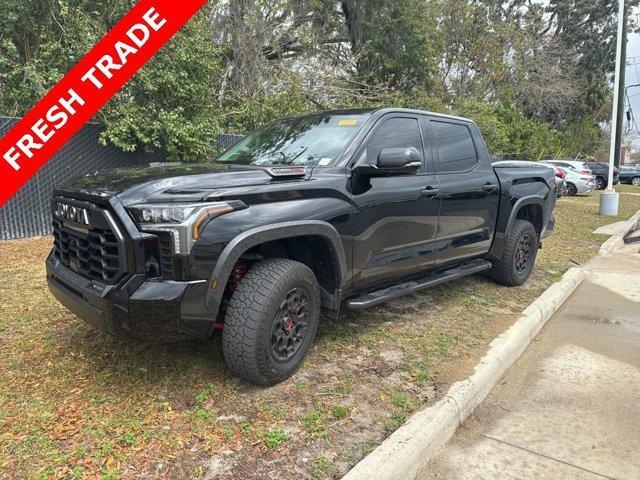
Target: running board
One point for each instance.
(374, 298)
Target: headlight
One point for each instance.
(184, 221)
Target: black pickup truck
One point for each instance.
(305, 215)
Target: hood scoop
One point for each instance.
(296, 171)
(184, 191)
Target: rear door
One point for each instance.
(469, 190)
(396, 216)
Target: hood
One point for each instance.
(179, 183)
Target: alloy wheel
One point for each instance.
(523, 253)
(290, 325)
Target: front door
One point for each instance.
(396, 216)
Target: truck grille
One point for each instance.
(93, 251)
(165, 254)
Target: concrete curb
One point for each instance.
(405, 453)
(616, 241)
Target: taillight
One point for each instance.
(559, 172)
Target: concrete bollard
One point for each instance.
(609, 203)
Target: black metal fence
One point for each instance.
(28, 212)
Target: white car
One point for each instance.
(575, 165)
(578, 183)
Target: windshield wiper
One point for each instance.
(289, 161)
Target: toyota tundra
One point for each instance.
(299, 219)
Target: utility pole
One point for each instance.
(621, 88)
(609, 199)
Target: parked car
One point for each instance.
(630, 174)
(307, 213)
(578, 183)
(578, 166)
(601, 171)
(561, 182)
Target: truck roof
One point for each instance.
(384, 110)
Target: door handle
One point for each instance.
(430, 192)
(490, 187)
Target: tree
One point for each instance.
(535, 77)
(167, 104)
(589, 27)
(393, 42)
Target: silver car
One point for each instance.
(577, 183)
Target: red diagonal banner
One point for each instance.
(87, 87)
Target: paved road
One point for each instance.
(570, 407)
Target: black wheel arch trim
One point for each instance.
(267, 233)
(497, 246)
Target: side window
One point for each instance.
(394, 133)
(456, 151)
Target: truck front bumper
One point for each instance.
(150, 309)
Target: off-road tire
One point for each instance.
(252, 315)
(504, 271)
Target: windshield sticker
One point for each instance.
(347, 122)
(324, 161)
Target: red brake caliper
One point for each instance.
(288, 324)
(238, 271)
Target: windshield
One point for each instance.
(313, 140)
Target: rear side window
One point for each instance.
(456, 151)
(563, 165)
(394, 133)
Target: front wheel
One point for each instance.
(271, 321)
(635, 181)
(519, 256)
(600, 183)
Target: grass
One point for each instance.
(275, 437)
(75, 403)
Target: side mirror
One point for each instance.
(402, 160)
(394, 161)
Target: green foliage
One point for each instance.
(168, 104)
(242, 114)
(508, 132)
(590, 26)
(339, 412)
(534, 77)
(275, 437)
(321, 466)
(394, 43)
(314, 423)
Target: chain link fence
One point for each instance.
(28, 212)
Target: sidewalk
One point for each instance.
(570, 407)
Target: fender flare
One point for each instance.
(267, 233)
(498, 244)
(529, 200)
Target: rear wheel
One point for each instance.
(635, 181)
(519, 256)
(271, 321)
(600, 183)
(571, 189)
